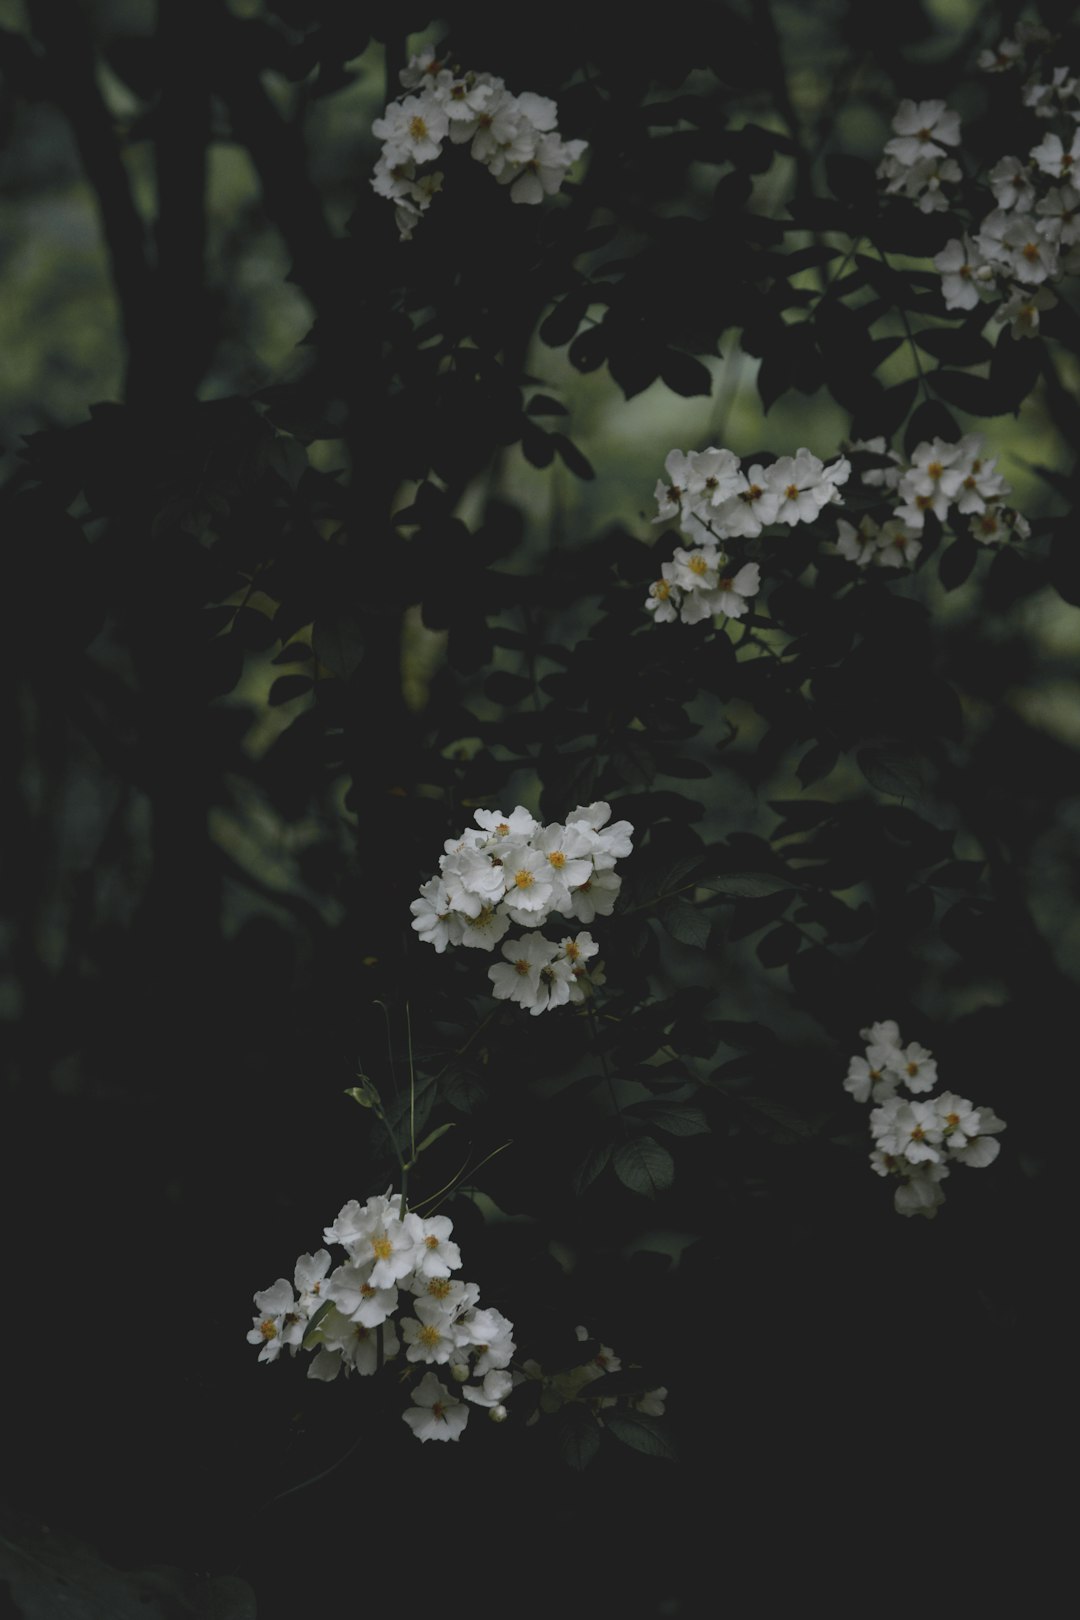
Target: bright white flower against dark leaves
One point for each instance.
(609, 841)
(1032, 258)
(519, 824)
(1011, 182)
(733, 591)
(857, 543)
(452, 1295)
(917, 1067)
(898, 545)
(907, 1130)
(434, 917)
(415, 128)
(484, 931)
(568, 852)
(349, 1345)
(352, 1291)
(885, 1033)
(866, 1081)
(963, 272)
(489, 1336)
(753, 506)
(713, 476)
(429, 1335)
(472, 880)
(437, 1256)
(436, 1414)
(493, 1391)
(796, 480)
(982, 483)
(529, 882)
(518, 979)
(309, 1280)
(544, 171)
(605, 1360)
(664, 599)
(1056, 159)
(981, 1150)
(988, 526)
(424, 68)
(923, 130)
(279, 1322)
(695, 570)
(1059, 212)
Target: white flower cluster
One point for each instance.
(514, 137)
(713, 501)
(938, 477)
(1030, 237)
(510, 869)
(917, 1142)
(347, 1315)
(916, 164)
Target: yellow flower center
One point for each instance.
(267, 1329)
(1030, 251)
(382, 1247)
(430, 1336)
(438, 1287)
(521, 966)
(935, 469)
(417, 128)
(792, 492)
(697, 564)
(750, 494)
(524, 879)
(431, 1241)
(573, 950)
(661, 590)
(557, 858)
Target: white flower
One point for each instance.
(437, 1414)
(414, 127)
(430, 1334)
(1055, 159)
(352, 1291)
(519, 824)
(493, 1391)
(696, 570)
(309, 1279)
(960, 263)
(438, 1257)
(734, 591)
(865, 1080)
(607, 844)
(484, 931)
(279, 1322)
(919, 1192)
(923, 130)
(663, 600)
(652, 1402)
(856, 544)
(535, 978)
(907, 1130)
(1006, 56)
(1060, 210)
(753, 506)
(1010, 181)
(434, 918)
(490, 1335)
(916, 1068)
(797, 481)
(1022, 310)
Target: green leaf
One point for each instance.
(641, 1432)
(310, 1340)
(686, 923)
(578, 1435)
(594, 1162)
(544, 405)
(677, 1119)
(896, 770)
(684, 375)
(339, 644)
(747, 885)
(779, 946)
(644, 1166)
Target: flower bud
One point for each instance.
(498, 1414)
(459, 1371)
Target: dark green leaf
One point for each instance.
(896, 770)
(644, 1166)
(578, 1435)
(675, 1118)
(339, 644)
(572, 457)
(746, 885)
(594, 1162)
(685, 922)
(502, 687)
(544, 405)
(957, 560)
(641, 1432)
(683, 374)
(954, 346)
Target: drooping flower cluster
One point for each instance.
(916, 164)
(949, 480)
(1029, 236)
(509, 869)
(399, 1266)
(917, 1142)
(714, 502)
(514, 137)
